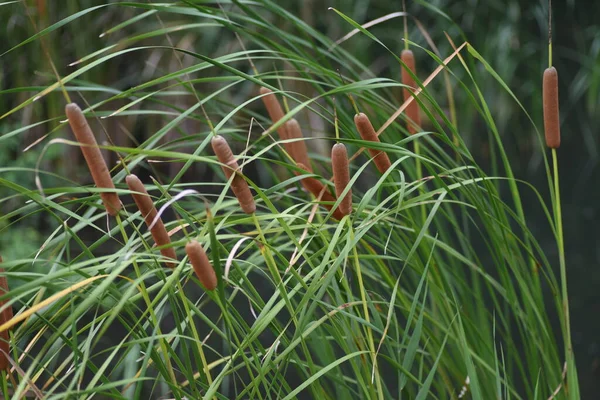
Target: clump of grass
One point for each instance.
(412, 111)
(148, 210)
(201, 264)
(230, 167)
(367, 132)
(5, 316)
(341, 176)
(93, 157)
(551, 111)
(418, 295)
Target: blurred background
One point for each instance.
(510, 34)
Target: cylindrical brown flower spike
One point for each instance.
(146, 206)
(551, 114)
(202, 266)
(367, 132)
(275, 111)
(316, 188)
(412, 111)
(5, 316)
(298, 149)
(230, 166)
(341, 176)
(93, 157)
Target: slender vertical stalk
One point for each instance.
(363, 298)
(572, 387)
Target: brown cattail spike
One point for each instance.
(367, 132)
(412, 111)
(275, 111)
(93, 157)
(298, 149)
(317, 189)
(551, 114)
(202, 266)
(230, 166)
(341, 176)
(5, 316)
(146, 206)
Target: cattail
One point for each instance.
(367, 132)
(341, 176)
(146, 206)
(317, 189)
(412, 111)
(5, 316)
(230, 166)
(298, 149)
(551, 115)
(275, 111)
(93, 157)
(202, 266)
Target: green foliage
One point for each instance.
(435, 280)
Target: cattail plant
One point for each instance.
(412, 111)
(5, 316)
(148, 210)
(551, 115)
(93, 157)
(275, 111)
(367, 132)
(317, 189)
(230, 167)
(297, 149)
(341, 176)
(202, 266)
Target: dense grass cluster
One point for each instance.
(310, 255)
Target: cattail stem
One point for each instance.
(367, 132)
(412, 111)
(5, 316)
(551, 113)
(202, 266)
(93, 157)
(317, 189)
(230, 167)
(297, 149)
(341, 176)
(274, 109)
(146, 206)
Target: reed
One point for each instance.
(148, 210)
(201, 264)
(230, 167)
(367, 132)
(551, 112)
(341, 176)
(93, 157)
(275, 111)
(297, 149)
(317, 189)
(412, 111)
(5, 316)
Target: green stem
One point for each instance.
(146, 297)
(366, 311)
(573, 389)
